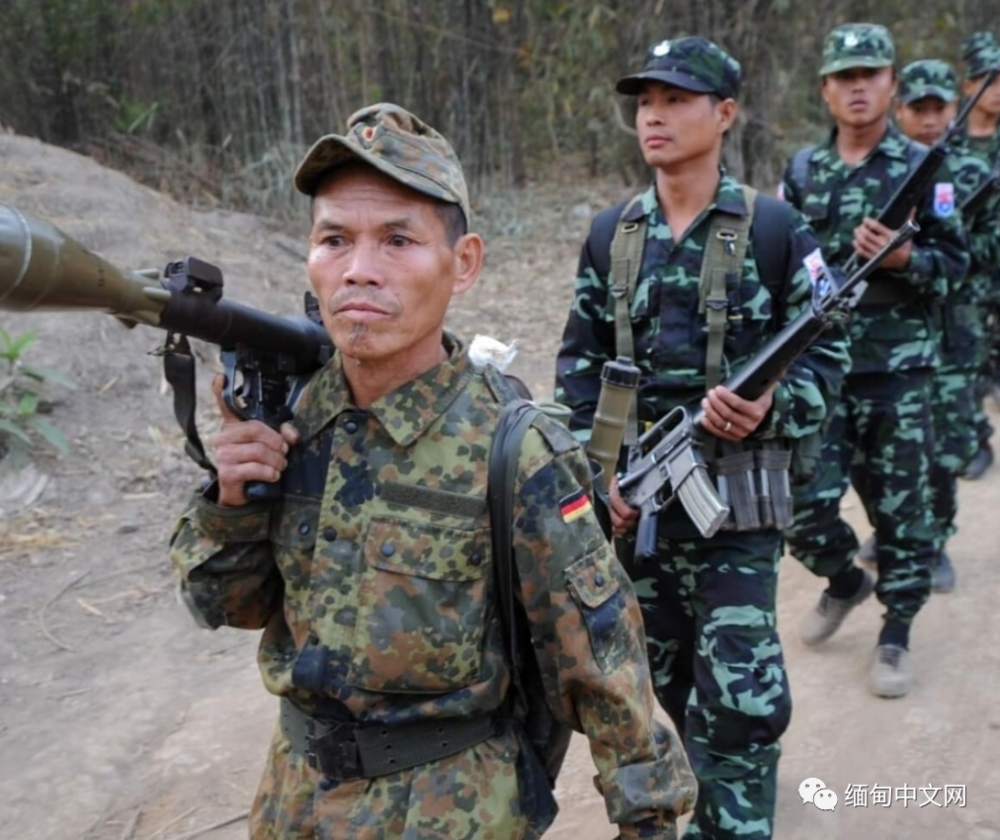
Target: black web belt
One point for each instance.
(343, 750)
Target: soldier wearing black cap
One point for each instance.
(691, 278)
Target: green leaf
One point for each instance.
(50, 433)
(13, 348)
(28, 404)
(14, 431)
(44, 374)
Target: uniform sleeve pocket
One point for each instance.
(597, 594)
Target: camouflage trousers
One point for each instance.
(953, 405)
(988, 374)
(718, 671)
(880, 435)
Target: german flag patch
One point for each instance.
(574, 506)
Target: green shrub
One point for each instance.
(23, 389)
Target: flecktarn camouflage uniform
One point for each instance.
(709, 604)
(883, 420)
(374, 586)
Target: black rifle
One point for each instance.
(666, 462)
(265, 358)
(914, 186)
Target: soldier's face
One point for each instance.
(989, 102)
(925, 119)
(859, 96)
(676, 126)
(384, 271)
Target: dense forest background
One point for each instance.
(215, 100)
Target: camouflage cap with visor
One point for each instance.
(693, 63)
(395, 142)
(928, 77)
(857, 45)
(981, 53)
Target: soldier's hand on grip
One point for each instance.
(623, 515)
(247, 450)
(731, 417)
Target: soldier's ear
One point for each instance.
(468, 255)
(726, 110)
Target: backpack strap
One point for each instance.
(548, 737)
(721, 269)
(799, 169)
(626, 262)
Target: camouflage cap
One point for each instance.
(980, 62)
(857, 45)
(976, 42)
(694, 64)
(929, 77)
(395, 142)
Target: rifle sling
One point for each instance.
(178, 369)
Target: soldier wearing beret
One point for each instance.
(708, 272)
(880, 435)
(372, 577)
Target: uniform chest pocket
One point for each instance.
(421, 608)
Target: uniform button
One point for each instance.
(476, 559)
(388, 549)
(329, 534)
(599, 579)
(326, 783)
(351, 426)
(312, 639)
(304, 528)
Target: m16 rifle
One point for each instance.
(666, 462)
(265, 357)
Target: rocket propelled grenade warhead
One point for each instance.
(41, 268)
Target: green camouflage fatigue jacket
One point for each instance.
(987, 149)
(897, 335)
(671, 337)
(380, 595)
(962, 326)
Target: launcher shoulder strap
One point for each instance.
(721, 270)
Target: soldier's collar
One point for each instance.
(729, 198)
(404, 413)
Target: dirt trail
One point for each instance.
(119, 718)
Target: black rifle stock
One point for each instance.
(914, 186)
(666, 462)
(41, 268)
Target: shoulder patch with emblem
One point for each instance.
(944, 199)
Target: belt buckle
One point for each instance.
(335, 752)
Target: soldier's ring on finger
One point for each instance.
(728, 426)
